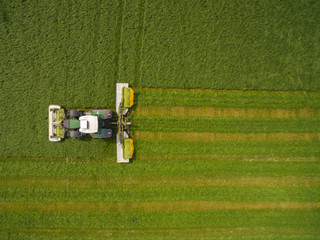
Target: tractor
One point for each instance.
(96, 123)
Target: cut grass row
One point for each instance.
(268, 148)
(308, 220)
(154, 206)
(193, 165)
(157, 181)
(180, 193)
(227, 99)
(192, 233)
(209, 136)
(225, 125)
(183, 111)
(166, 157)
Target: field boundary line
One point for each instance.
(158, 181)
(154, 206)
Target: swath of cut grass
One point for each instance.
(266, 148)
(171, 193)
(177, 233)
(225, 125)
(138, 220)
(171, 165)
(163, 206)
(159, 181)
(182, 111)
(227, 99)
(209, 136)
(224, 157)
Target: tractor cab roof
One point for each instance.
(89, 124)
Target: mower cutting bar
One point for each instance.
(120, 158)
(52, 116)
(119, 97)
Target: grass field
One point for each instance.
(226, 119)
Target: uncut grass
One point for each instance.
(232, 125)
(227, 99)
(234, 45)
(195, 166)
(181, 193)
(259, 218)
(55, 53)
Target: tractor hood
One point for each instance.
(89, 124)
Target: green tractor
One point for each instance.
(96, 123)
(77, 123)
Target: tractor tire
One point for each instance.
(74, 113)
(74, 134)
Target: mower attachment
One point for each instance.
(124, 101)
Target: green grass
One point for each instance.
(236, 194)
(299, 219)
(225, 125)
(72, 53)
(172, 167)
(227, 99)
(241, 237)
(296, 148)
(231, 45)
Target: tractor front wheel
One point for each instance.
(74, 134)
(73, 113)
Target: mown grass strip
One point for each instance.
(158, 181)
(205, 233)
(137, 220)
(294, 148)
(227, 99)
(164, 157)
(183, 111)
(224, 157)
(173, 193)
(209, 136)
(110, 159)
(155, 206)
(171, 165)
(226, 125)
